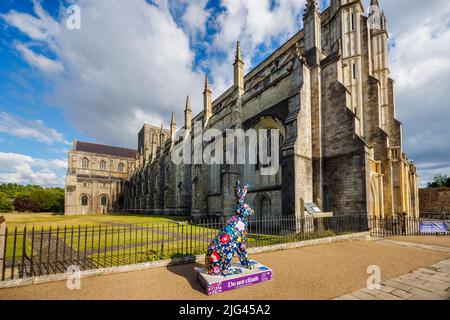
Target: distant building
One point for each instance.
(95, 178)
(327, 90)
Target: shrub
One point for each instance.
(25, 205)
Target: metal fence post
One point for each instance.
(13, 264)
(2, 246)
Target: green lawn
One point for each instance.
(47, 220)
(118, 239)
(116, 233)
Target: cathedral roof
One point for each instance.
(104, 149)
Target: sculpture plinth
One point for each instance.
(218, 284)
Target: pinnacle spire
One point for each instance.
(311, 6)
(161, 137)
(207, 88)
(239, 70)
(207, 101)
(188, 103)
(374, 3)
(173, 127)
(238, 52)
(188, 115)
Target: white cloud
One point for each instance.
(31, 129)
(22, 169)
(195, 17)
(39, 27)
(254, 23)
(117, 78)
(38, 60)
(420, 65)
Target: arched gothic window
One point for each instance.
(262, 206)
(85, 163)
(84, 200)
(120, 167)
(104, 200)
(103, 165)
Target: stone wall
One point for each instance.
(346, 167)
(434, 201)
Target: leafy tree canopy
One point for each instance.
(31, 198)
(12, 189)
(440, 181)
(5, 203)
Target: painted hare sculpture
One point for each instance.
(232, 239)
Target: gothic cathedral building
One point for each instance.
(329, 93)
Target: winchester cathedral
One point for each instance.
(329, 93)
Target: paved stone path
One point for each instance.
(428, 283)
(418, 245)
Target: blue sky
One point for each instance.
(135, 61)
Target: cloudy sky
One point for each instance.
(134, 61)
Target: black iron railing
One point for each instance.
(38, 252)
(406, 226)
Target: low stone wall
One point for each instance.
(434, 201)
(165, 263)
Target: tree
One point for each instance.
(58, 205)
(23, 195)
(440, 181)
(44, 199)
(5, 203)
(12, 189)
(32, 198)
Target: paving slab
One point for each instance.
(417, 285)
(440, 241)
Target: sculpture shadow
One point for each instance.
(188, 272)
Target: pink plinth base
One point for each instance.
(218, 284)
